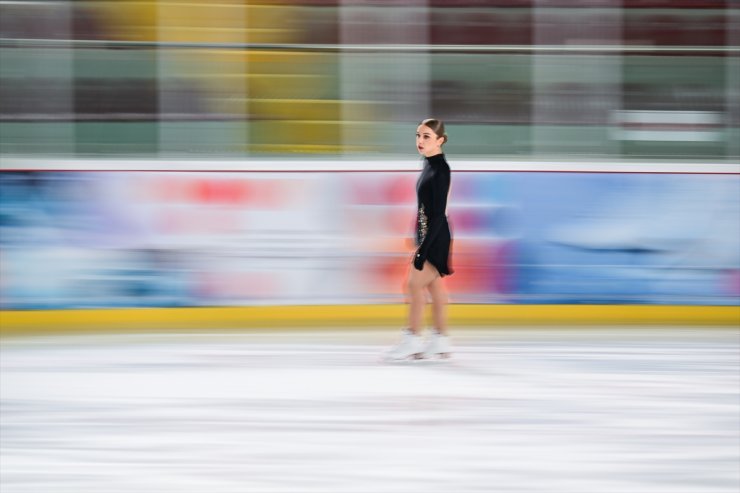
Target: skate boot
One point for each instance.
(438, 346)
(411, 346)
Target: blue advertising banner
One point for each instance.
(104, 239)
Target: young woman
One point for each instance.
(431, 259)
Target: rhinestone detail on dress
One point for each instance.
(423, 224)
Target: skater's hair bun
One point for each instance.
(437, 126)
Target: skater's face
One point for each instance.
(427, 142)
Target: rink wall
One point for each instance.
(137, 245)
(352, 317)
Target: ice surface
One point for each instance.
(592, 410)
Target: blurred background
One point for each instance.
(317, 81)
(616, 78)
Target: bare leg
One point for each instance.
(439, 305)
(418, 281)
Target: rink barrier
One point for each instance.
(205, 319)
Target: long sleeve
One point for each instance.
(435, 210)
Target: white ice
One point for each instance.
(591, 410)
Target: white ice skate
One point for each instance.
(411, 346)
(438, 346)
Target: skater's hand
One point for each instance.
(418, 261)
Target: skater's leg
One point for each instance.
(439, 305)
(438, 344)
(418, 281)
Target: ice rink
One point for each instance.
(588, 410)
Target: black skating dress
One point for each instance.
(433, 237)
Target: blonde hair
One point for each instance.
(437, 126)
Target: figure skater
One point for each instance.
(431, 261)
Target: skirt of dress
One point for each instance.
(440, 250)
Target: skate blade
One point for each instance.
(410, 359)
(438, 357)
